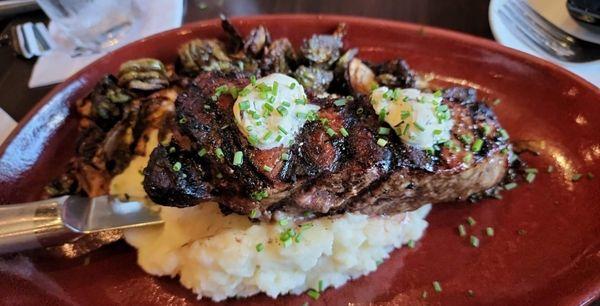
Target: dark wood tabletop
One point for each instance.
(469, 16)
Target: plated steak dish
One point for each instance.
(275, 148)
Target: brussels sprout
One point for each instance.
(278, 57)
(395, 73)
(313, 78)
(324, 49)
(204, 55)
(143, 74)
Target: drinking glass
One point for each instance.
(92, 24)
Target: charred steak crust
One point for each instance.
(324, 174)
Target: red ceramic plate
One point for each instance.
(546, 248)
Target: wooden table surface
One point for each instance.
(469, 16)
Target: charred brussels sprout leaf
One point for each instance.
(204, 55)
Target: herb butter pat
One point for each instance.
(271, 111)
(419, 119)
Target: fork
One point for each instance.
(537, 32)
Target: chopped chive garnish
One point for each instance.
(383, 131)
(172, 150)
(531, 170)
(292, 85)
(466, 139)
(330, 132)
(238, 158)
(260, 247)
(471, 221)
(278, 138)
(259, 195)
(268, 107)
(340, 102)
(437, 93)
(486, 129)
(253, 214)
(344, 132)
(419, 127)
(219, 175)
(244, 105)
(550, 169)
(300, 101)
(404, 114)
(252, 80)
(282, 110)
(510, 186)
(424, 295)
(267, 135)
(437, 286)
(286, 104)
(437, 132)
(489, 231)
(468, 157)
(503, 133)
(253, 140)
(301, 115)
(382, 114)
(530, 177)
(462, 231)
(282, 129)
(182, 120)
(285, 156)
(381, 142)
(176, 166)
(314, 294)
(411, 244)
(359, 110)
(477, 145)
(219, 153)
(474, 241)
(275, 87)
(405, 130)
(576, 177)
(321, 285)
(202, 152)
(206, 106)
(283, 222)
(244, 92)
(267, 168)
(497, 101)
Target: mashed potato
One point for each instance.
(220, 256)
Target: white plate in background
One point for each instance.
(589, 71)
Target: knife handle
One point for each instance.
(33, 225)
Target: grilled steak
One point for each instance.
(321, 173)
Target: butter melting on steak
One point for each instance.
(322, 173)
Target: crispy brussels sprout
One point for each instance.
(256, 41)
(204, 55)
(395, 73)
(324, 49)
(278, 57)
(143, 74)
(107, 100)
(313, 78)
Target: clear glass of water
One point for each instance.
(92, 24)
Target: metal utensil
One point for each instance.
(60, 220)
(538, 33)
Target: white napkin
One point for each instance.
(155, 16)
(7, 124)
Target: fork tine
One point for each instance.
(543, 22)
(550, 43)
(522, 30)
